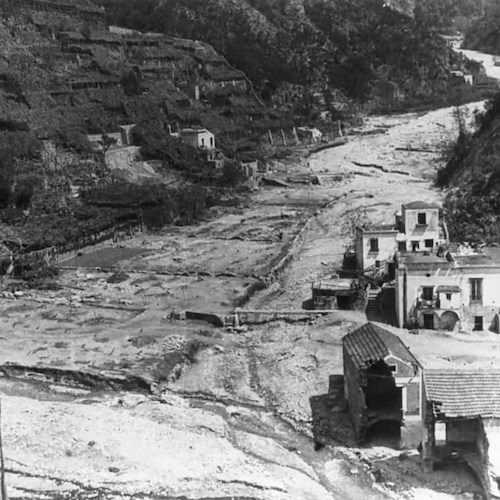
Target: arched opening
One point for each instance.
(384, 433)
(448, 321)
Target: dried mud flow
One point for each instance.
(106, 394)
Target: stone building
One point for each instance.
(461, 414)
(382, 382)
(449, 290)
(198, 138)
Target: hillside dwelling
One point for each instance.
(484, 83)
(99, 141)
(126, 133)
(459, 78)
(215, 158)
(461, 414)
(309, 135)
(449, 291)
(375, 246)
(417, 228)
(382, 381)
(390, 91)
(250, 168)
(198, 138)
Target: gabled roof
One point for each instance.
(463, 393)
(370, 343)
(419, 205)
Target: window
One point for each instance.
(415, 245)
(429, 243)
(476, 290)
(402, 246)
(422, 219)
(478, 323)
(427, 292)
(377, 264)
(448, 296)
(203, 142)
(211, 141)
(373, 244)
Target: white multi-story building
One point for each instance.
(418, 228)
(448, 291)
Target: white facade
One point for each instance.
(439, 293)
(420, 224)
(417, 229)
(198, 138)
(374, 246)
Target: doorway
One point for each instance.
(429, 321)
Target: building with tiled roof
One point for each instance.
(370, 343)
(381, 383)
(463, 393)
(461, 411)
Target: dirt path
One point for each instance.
(404, 157)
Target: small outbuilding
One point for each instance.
(382, 381)
(198, 138)
(462, 420)
(333, 293)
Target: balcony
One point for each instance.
(433, 303)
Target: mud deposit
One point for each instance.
(107, 394)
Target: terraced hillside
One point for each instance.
(62, 67)
(65, 76)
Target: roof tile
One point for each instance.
(370, 343)
(463, 393)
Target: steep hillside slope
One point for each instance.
(59, 68)
(473, 176)
(482, 32)
(312, 46)
(65, 76)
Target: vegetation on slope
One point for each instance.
(348, 45)
(472, 175)
(63, 78)
(483, 32)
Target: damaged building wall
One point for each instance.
(381, 385)
(396, 398)
(355, 397)
(491, 444)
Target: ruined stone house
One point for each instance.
(98, 141)
(382, 382)
(461, 414)
(333, 293)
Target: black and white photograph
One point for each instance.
(249, 249)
